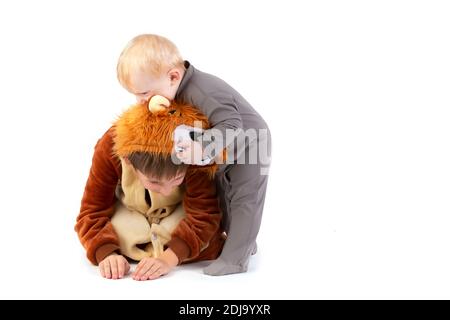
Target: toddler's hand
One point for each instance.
(150, 269)
(190, 152)
(114, 266)
(187, 149)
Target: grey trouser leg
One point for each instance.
(242, 189)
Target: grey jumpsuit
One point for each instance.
(241, 183)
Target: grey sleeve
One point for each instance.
(223, 116)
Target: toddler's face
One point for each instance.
(144, 86)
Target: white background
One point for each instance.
(356, 94)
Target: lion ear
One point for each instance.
(158, 103)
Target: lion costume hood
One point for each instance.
(150, 128)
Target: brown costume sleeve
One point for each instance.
(93, 224)
(203, 216)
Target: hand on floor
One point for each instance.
(114, 266)
(150, 269)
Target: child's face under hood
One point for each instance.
(164, 186)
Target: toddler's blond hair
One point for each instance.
(147, 53)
